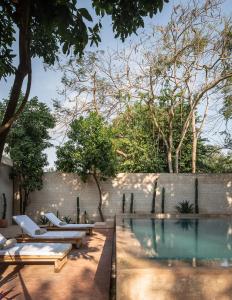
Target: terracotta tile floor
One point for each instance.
(86, 275)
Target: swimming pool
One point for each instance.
(181, 239)
(173, 258)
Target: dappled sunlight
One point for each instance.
(61, 190)
(142, 284)
(86, 274)
(229, 199)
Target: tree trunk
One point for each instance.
(100, 197)
(170, 139)
(25, 201)
(194, 143)
(21, 199)
(177, 161)
(169, 156)
(23, 69)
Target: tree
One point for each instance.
(191, 56)
(226, 112)
(140, 147)
(212, 160)
(42, 27)
(89, 151)
(26, 142)
(84, 88)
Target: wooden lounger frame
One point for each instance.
(24, 238)
(89, 230)
(59, 261)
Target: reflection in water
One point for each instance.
(154, 234)
(196, 237)
(162, 231)
(131, 224)
(185, 224)
(183, 238)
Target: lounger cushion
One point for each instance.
(29, 228)
(62, 223)
(53, 219)
(2, 241)
(37, 249)
(40, 231)
(9, 243)
(80, 226)
(60, 235)
(5, 244)
(27, 225)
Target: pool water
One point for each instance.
(183, 238)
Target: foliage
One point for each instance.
(172, 70)
(88, 151)
(26, 142)
(139, 148)
(43, 28)
(212, 160)
(89, 148)
(127, 16)
(67, 219)
(139, 144)
(43, 220)
(55, 23)
(185, 207)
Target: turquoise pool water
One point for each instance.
(183, 238)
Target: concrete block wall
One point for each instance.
(60, 191)
(6, 186)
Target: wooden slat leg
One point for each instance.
(78, 243)
(59, 263)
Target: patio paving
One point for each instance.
(86, 276)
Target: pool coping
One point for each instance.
(172, 215)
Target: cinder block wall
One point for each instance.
(60, 191)
(6, 187)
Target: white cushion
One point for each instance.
(27, 225)
(41, 249)
(81, 226)
(2, 239)
(60, 235)
(55, 221)
(9, 244)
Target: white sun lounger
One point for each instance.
(29, 227)
(36, 253)
(56, 222)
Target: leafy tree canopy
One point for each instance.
(62, 22)
(27, 140)
(140, 147)
(89, 148)
(89, 151)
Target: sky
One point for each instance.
(45, 84)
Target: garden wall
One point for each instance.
(6, 187)
(60, 192)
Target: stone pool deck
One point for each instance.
(86, 275)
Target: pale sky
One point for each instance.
(46, 83)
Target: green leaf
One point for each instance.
(84, 12)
